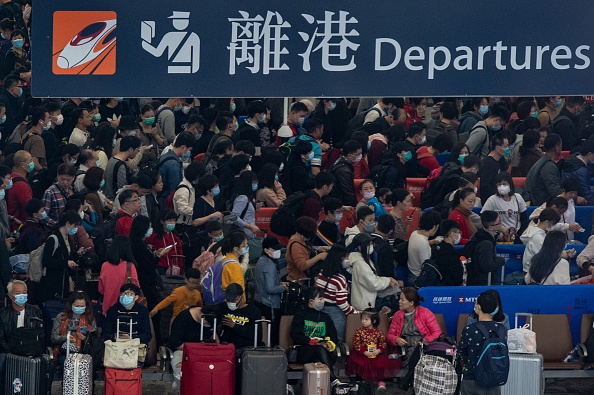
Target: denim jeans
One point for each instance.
(338, 318)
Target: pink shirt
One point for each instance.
(111, 280)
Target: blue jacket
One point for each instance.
(138, 315)
(574, 167)
(268, 288)
(171, 170)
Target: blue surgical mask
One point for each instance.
(170, 227)
(254, 187)
(186, 155)
(233, 107)
(20, 300)
(102, 184)
(219, 238)
(558, 103)
(18, 43)
(244, 250)
(72, 231)
(98, 163)
(368, 145)
(311, 156)
(113, 143)
(126, 300)
(332, 106)
(275, 178)
(8, 186)
(31, 167)
(216, 191)
(2, 194)
(483, 110)
(20, 91)
(149, 232)
(337, 217)
(78, 310)
(507, 151)
(44, 215)
(263, 119)
(4, 37)
(3, 119)
(177, 108)
(495, 128)
(494, 312)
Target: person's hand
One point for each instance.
(348, 208)
(377, 352)
(438, 239)
(16, 221)
(400, 283)
(218, 214)
(591, 269)
(152, 131)
(9, 241)
(253, 228)
(277, 185)
(124, 336)
(322, 255)
(72, 339)
(72, 264)
(571, 253)
(323, 249)
(81, 336)
(401, 342)
(153, 313)
(228, 322)
(324, 146)
(575, 227)
(81, 251)
(367, 353)
(163, 251)
(580, 201)
(326, 345)
(286, 284)
(393, 282)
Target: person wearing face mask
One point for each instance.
(365, 224)
(527, 154)
(11, 96)
(165, 118)
(170, 165)
(32, 142)
(5, 185)
(184, 196)
(295, 177)
(86, 159)
(127, 311)
(113, 109)
(183, 116)
(117, 173)
(243, 204)
(416, 136)
(419, 245)
(7, 25)
(315, 333)
(148, 132)
(32, 234)
(162, 237)
(313, 204)
(59, 255)
(383, 256)
(328, 232)
(16, 314)
(315, 130)
(426, 155)
(577, 166)
(52, 135)
(484, 266)
(391, 173)
(479, 139)
(534, 235)
(300, 256)
(474, 111)
(509, 205)
(296, 121)
(237, 318)
(466, 180)
(367, 189)
(446, 257)
(77, 320)
(257, 117)
(268, 284)
(366, 281)
(17, 60)
(343, 171)
(235, 245)
(55, 196)
(182, 297)
(493, 164)
(549, 109)
(270, 191)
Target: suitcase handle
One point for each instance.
(256, 332)
(527, 315)
(118, 328)
(214, 327)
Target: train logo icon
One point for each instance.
(84, 43)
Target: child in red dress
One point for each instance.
(369, 359)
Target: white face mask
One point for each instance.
(458, 238)
(503, 189)
(276, 254)
(132, 133)
(281, 167)
(423, 140)
(475, 189)
(186, 109)
(59, 119)
(358, 158)
(346, 263)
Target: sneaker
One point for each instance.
(336, 382)
(381, 385)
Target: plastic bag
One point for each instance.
(521, 340)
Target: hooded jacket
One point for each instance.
(533, 237)
(467, 121)
(448, 263)
(575, 167)
(366, 283)
(484, 260)
(350, 234)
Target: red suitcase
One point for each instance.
(118, 381)
(208, 368)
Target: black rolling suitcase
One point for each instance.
(263, 369)
(28, 376)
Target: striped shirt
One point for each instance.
(337, 292)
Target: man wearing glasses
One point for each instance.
(484, 266)
(129, 207)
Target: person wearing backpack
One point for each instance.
(480, 135)
(446, 257)
(313, 204)
(170, 165)
(483, 351)
(484, 266)
(296, 175)
(391, 173)
(117, 173)
(300, 256)
(419, 245)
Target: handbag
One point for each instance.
(292, 355)
(122, 353)
(522, 339)
(27, 342)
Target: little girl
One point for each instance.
(368, 358)
(367, 189)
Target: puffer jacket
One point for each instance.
(574, 167)
(424, 321)
(183, 202)
(344, 189)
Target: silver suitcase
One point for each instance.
(525, 375)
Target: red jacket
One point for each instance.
(166, 240)
(124, 223)
(411, 115)
(18, 196)
(426, 159)
(424, 320)
(464, 231)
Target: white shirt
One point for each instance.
(559, 275)
(21, 319)
(78, 137)
(419, 251)
(509, 212)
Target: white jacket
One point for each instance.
(350, 234)
(183, 202)
(533, 237)
(366, 284)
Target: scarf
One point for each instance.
(63, 332)
(466, 213)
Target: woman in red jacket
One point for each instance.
(464, 202)
(162, 237)
(410, 326)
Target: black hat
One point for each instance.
(272, 242)
(232, 292)
(127, 122)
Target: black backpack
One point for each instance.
(378, 175)
(283, 220)
(358, 120)
(430, 275)
(103, 234)
(492, 367)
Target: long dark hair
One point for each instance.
(333, 263)
(363, 240)
(80, 295)
(103, 136)
(159, 228)
(140, 225)
(244, 185)
(120, 250)
(543, 263)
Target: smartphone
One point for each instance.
(413, 213)
(172, 245)
(83, 330)
(149, 146)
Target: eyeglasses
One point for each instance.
(497, 224)
(132, 201)
(129, 294)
